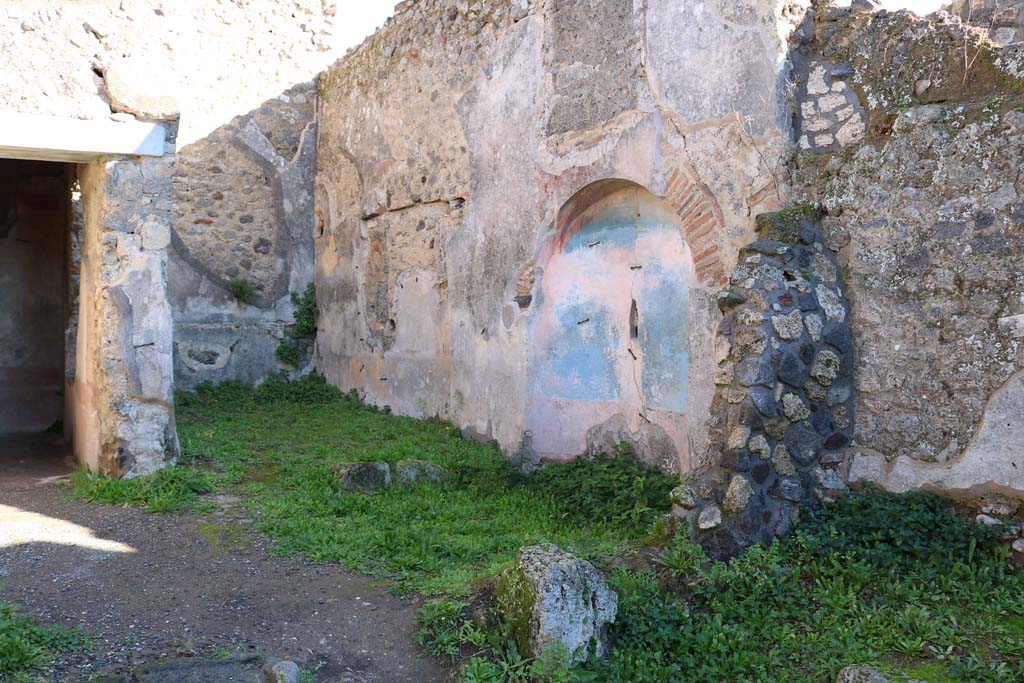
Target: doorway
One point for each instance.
(34, 294)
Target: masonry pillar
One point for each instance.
(122, 392)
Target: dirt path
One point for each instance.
(154, 586)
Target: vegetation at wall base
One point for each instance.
(27, 648)
(300, 335)
(893, 581)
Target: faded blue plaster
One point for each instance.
(579, 365)
(573, 366)
(662, 304)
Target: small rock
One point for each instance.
(551, 597)
(860, 674)
(1018, 545)
(409, 472)
(841, 71)
(363, 476)
(794, 408)
(282, 672)
(758, 445)
(789, 327)
(825, 368)
(709, 518)
(737, 495)
(684, 496)
(782, 462)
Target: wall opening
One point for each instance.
(608, 350)
(35, 218)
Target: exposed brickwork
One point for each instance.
(702, 223)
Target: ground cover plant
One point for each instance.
(276, 444)
(895, 581)
(26, 648)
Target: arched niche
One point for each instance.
(608, 357)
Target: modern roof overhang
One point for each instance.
(51, 138)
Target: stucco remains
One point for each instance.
(449, 146)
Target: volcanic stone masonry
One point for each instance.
(782, 415)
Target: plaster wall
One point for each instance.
(450, 141)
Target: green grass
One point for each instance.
(169, 490)
(891, 581)
(26, 648)
(275, 445)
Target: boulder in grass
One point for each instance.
(552, 600)
(863, 674)
(365, 477)
(409, 472)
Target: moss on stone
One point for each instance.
(514, 598)
(788, 224)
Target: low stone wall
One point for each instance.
(782, 416)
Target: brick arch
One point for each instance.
(701, 221)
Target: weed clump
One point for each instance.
(169, 490)
(27, 647)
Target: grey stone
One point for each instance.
(790, 489)
(838, 392)
(409, 472)
(556, 599)
(803, 443)
(825, 368)
(709, 518)
(841, 71)
(684, 496)
(365, 477)
(758, 445)
(789, 327)
(792, 370)
(860, 674)
(782, 462)
(737, 495)
(794, 408)
(752, 371)
(282, 672)
(814, 325)
(831, 303)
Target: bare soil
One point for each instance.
(156, 590)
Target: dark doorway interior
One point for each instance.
(34, 243)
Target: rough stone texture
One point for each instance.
(365, 477)
(782, 415)
(550, 597)
(410, 472)
(241, 76)
(121, 400)
(1003, 19)
(864, 674)
(460, 148)
(926, 215)
(281, 672)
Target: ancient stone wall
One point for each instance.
(925, 207)
(241, 77)
(450, 145)
(783, 414)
